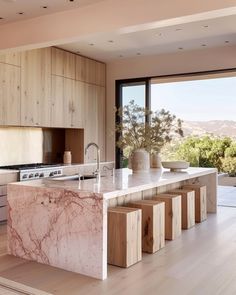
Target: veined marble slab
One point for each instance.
(59, 227)
(64, 223)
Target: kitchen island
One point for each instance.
(64, 223)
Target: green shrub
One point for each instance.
(229, 166)
(231, 150)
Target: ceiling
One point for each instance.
(16, 10)
(210, 33)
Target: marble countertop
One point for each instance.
(122, 182)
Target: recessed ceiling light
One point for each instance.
(1, 18)
(110, 41)
(203, 45)
(180, 48)
(120, 55)
(179, 29)
(20, 13)
(91, 44)
(206, 26)
(138, 53)
(45, 7)
(227, 41)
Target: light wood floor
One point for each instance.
(201, 262)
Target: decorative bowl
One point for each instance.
(175, 165)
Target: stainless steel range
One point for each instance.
(36, 171)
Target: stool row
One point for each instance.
(145, 225)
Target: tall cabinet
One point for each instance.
(36, 87)
(10, 88)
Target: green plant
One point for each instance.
(204, 151)
(135, 133)
(231, 150)
(229, 166)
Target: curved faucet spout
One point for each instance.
(97, 172)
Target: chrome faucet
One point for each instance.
(97, 171)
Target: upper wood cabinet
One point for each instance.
(36, 87)
(67, 103)
(94, 120)
(9, 94)
(63, 63)
(11, 58)
(90, 71)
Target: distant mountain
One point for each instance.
(216, 127)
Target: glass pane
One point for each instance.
(207, 108)
(135, 92)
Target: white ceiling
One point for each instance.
(193, 35)
(10, 9)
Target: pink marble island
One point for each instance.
(64, 223)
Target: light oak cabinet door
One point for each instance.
(57, 108)
(94, 120)
(63, 63)
(36, 87)
(12, 58)
(67, 103)
(90, 71)
(9, 94)
(69, 96)
(78, 105)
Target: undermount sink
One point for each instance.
(75, 177)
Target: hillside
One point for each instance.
(217, 127)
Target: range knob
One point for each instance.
(31, 175)
(36, 175)
(41, 175)
(51, 174)
(24, 176)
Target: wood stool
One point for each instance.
(172, 214)
(200, 201)
(153, 224)
(124, 236)
(188, 206)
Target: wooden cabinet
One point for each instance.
(95, 120)
(12, 58)
(36, 87)
(57, 108)
(63, 63)
(67, 103)
(9, 94)
(90, 71)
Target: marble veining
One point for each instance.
(64, 223)
(59, 227)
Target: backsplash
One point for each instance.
(21, 145)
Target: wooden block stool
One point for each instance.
(172, 215)
(124, 236)
(200, 201)
(188, 206)
(153, 224)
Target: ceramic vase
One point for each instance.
(156, 160)
(67, 158)
(139, 161)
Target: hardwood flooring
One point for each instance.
(200, 262)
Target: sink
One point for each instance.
(75, 177)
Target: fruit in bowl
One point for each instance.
(175, 165)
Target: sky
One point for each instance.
(199, 100)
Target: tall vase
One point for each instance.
(139, 161)
(156, 160)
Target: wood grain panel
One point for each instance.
(36, 87)
(10, 95)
